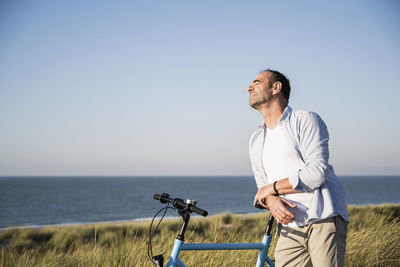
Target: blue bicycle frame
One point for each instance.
(175, 261)
(180, 245)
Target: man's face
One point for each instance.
(260, 91)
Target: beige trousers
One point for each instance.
(318, 244)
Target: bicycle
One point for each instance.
(184, 209)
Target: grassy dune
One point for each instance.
(373, 240)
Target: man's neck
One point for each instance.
(273, 113)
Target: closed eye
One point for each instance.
(256, 82)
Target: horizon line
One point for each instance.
(168, 175)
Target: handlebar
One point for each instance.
(180, 204)
(191, 206)
(259, 206)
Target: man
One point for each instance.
(289, 157)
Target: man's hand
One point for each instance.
(278, 208)
(262, 193)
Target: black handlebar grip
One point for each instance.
(259, 206)
(163, 198)
(199, 211)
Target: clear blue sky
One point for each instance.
(159, 87)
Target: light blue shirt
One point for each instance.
(309, 135)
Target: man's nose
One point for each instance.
(250, 88)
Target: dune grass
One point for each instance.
(373, 240)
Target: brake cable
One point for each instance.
(151, 234)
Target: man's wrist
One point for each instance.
(270, 190)
(265, 200)
(275, 189)
(269, 195)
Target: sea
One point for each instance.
(44, 201)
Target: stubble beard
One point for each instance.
(256, 103)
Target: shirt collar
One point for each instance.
(284, 115)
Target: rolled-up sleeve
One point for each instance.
(313, 145)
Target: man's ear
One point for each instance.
(277, 87)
